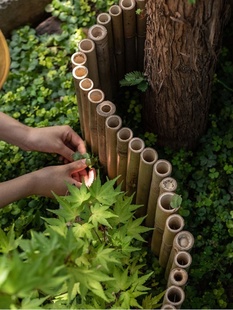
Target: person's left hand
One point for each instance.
(62, 140)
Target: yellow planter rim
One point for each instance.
(4, 59)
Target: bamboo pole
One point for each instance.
(115, 12)
(178, 277)
(85, 86)
(78, 59)
(124, 135)
(141, 33)
(129, 21)
(103, 110)
(183, 241)
(174, 296)
(183, 260)
(168, 184)
(136, 146)
(99, 35)
(148, 157)
(79, 73)
(105, 20)
(163, 210)
(173, 225)
(113, 124)
(95, 97)
(87, 46)
(161, 169)
(167, 307)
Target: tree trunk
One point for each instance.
(182, 46)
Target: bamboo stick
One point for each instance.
(85, 86)
(124, 135)
(174, 296)
(182, 259)
(87, 46)
(99, 35)
(141, 33)
(178, 277)
(163, 210)
(183, 241)
(173, 225)
(148, 157)
(129, 21)
(161, 169)
(118, 39)
(168, 184)
(113, 124)
(95, 97)
(136, 146)
(105, 20)
(79, 73)
(103, 110)
(78, 59)
(167, 307)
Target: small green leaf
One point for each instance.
(176, 201)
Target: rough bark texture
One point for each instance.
(182, 46)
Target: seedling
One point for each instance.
(91, 160)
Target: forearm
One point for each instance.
(17, 188)
(13, 132)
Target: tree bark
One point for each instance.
(182, 46)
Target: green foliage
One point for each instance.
(135, 78)
(88, 256)
(91, 160)
(176, 201)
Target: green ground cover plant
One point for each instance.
(40, 92)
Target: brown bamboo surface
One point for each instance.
(148, 157)
(167, 307)
(161, 169)
(183, 260)
(103, 110)
(113, 124)
(99, 35)
(85, 86)
(95, 97)
(87, 46)
(129, 21)
(124, 135)
(118, 37)
(135, 147)
(78, 59)
(173, 225)
(163, 210)
(79, 73)
(4, 59)
(174, 296)
(178, 277)
(141, 33)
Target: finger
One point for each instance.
(77, 166)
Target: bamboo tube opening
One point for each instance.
(113, 121)
(103, 18)
(162, 167)
(97, 33)
(184, 241)
(96, 96)
(175, 222)
(178, 277)
(136, 145)
(115, 10)
(167, 306)
(127, 4)
(182, 260)
(175, 295)
(106, 108)
(168, 185)
(164, 200)
(78, 59)
(124, 134)
(86, 45)
(80, 72)
(86, 84)
(149, 155)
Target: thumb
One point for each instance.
(77, 165)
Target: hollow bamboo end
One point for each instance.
(124, 134)
(175, 223)
(86, 46)
(149, 156)
(182, 260)
(183, 241)
(106, 108)
(168, 184)
(136, 145)
(103, 18)
(96, 96)
(178, 277)
(115, 10)
(113, 122)
(164, 202)
(127, 4)
(162, 168)
(78, 59)
(174, 295)
(167, 306)
(86, 84)
(97, 33)
(80, 72)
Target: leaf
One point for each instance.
(134, 228)
(176, 201)
(83, 230)
(150, 302)
(8, 241)
(105, 257)
(100, 215)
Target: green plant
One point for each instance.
(135, 78)
(89, 255)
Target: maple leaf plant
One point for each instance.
(89, 256)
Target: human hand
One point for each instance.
(54, 178)
(62, 140)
